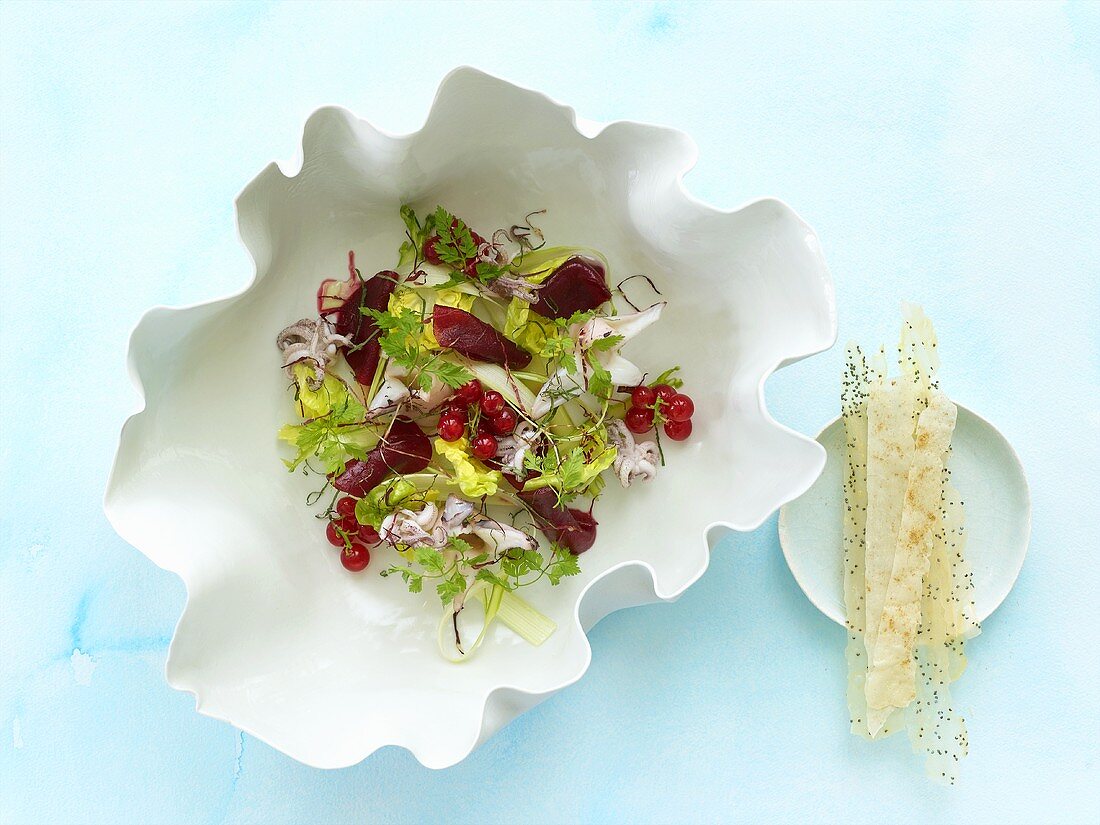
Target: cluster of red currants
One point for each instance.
(354, 539)
(674, 408)
(494, 418)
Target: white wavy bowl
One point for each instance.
(276, 637)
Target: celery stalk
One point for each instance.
(531, 626)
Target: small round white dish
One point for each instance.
(988, 475)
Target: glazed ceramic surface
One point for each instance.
(276, 637)
(987, 473)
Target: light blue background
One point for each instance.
(945, 154)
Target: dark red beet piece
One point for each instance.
(472, 337)
(428, 251)
(578, 285)
(341, 303)
(337, 300)
(569, 527)
(405, 449)
(363, 358)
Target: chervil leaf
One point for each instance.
(328, 438)
(463, 546)
(487, 272)
(533, 462)
(576, 319)
(558, 350)
(605, 344)
(442, 220)
(452, 374)
(455, 245)
(518, 563)
(600, 383)
(572, 470)
(450, 587)
(397, 349)
(401, 335)
(406, 321)
(414, 580)
(487, 575)
(430, 559)
(564, 564)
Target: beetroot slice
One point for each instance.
(578, 285)
(472, 337)
(569, 527)
(341, 303)
(405, 449)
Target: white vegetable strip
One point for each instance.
(902, 661)
(936, 727)
(889, 456)
(854, 411)
(890, 676)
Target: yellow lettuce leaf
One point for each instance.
(474, 480)
(314, 403)
(423, 301)
(527, 330)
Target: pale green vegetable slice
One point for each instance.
(507, 385)
(539, 265)
(531, 625)
(497, 603)
(891, 676)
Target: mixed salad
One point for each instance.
(468, 402)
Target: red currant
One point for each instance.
(334, 538)
(643, 396)
(678, 430)
(355, 558)
(349, 524)
(492, 403)
(664, 392)
(639, 421)
(680, 408)
(430, 255)
(346, 506)
(484, 446)
(368, 535)
(504, 422)
(456, 409)
(451, 428)
(469, 393)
